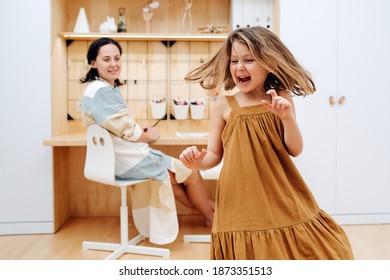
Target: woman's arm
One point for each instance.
(105, 106)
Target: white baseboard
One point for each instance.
(48, 227)
(361, 219)
(26, 228)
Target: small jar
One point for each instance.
(122, 20)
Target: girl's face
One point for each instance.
(108, 63)
(248, 74)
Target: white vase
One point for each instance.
(81, 25)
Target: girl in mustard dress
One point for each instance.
(264, 209)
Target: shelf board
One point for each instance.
(146, 36)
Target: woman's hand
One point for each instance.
(150, 134)
(278, 106)
(191, 157)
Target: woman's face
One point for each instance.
(248, 74)
(108, 63)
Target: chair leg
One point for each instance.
(118, 250)
(211, 174)
(126, 246)
(196, 238)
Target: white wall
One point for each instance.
(26, 192)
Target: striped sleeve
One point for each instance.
(106, 106)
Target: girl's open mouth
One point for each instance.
(243, 79)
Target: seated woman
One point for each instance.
(103, 104)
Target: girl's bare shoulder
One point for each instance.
(221, 107)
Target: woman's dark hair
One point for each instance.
(92, 54)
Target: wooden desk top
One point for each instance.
(167, 129)
(167, 138)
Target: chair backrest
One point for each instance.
(100, 159)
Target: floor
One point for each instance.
(369, 242)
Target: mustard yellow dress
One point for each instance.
(264, 208)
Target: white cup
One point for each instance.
(158, 109)
(181, 111)
(197, 112)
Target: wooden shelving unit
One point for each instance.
(72, 192)
(145, 36)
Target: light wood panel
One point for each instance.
(150, 71)
(59, 68)
(166, 18)
(60, 183)
(75, 196)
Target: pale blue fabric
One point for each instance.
(154, 166)
(106, 102)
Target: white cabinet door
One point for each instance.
(246, 13)
(364, 122)
(309, 29)
(26, 183)
(346, 46)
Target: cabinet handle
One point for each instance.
(331, 100)
(341, 100)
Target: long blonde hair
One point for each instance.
(285, 72)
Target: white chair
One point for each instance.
(100, 167)
(211, 174)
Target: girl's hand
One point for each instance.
(279, 106)
(191, 157)
(284, 109)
